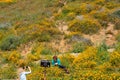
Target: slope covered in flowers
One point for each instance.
(31, 30)
(94, 63)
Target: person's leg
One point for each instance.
(61, 66)
(64, 68)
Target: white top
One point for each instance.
(23, 75)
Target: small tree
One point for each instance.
(10, 42)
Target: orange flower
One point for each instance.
(6, 0)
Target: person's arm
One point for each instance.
(58, 61)
(53, 63)
(29, 70)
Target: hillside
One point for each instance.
(85, 34)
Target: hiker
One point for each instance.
(24, 72)
(56, 62)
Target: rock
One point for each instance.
(110, 50)
(75, 54)
(5, 25)
(81, 39)
(80, 17)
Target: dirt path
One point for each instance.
(61, 44)
(26, 49)
(107, 35)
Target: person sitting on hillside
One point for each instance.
(56, 62)
(24, 72)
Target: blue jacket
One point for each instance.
(58, 62)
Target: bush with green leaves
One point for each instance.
(79, 47)
(10, 42)
(44, 37)
(117, 13)
(102, 54)
(118, 37)
(67, 59)
(46, 51)
(8, 72)
(4, 58)
(1, 35)
(102, 16)
(117, 47)
(117, 23)
(116, 19)
(78, 8)
(86, 26)
(115, 59)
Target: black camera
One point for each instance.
(45, 63)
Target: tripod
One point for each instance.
(44, 64)
(44, 74)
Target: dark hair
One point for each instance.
(24, 67)
(55, 57)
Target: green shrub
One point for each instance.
(67, 59)
(79, 47)
(46, 51)
(117, 47)
(4, 58)
(86, 26)
(1, 36)
(10, 42)
(78, 8)
(102, 54)
(14, 57)
(116, 13)
(86, 59)
(117, 24)
(102, 16)
(112, 5)
(44, 37)
(118, 37)
(115, 16)
(8, 72)
(115, 59)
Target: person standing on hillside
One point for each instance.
(24, 72)
(56, 62)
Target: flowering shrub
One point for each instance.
(118, 47)
(4, 58)
(8, 72)
(86, 59)
(78, 8)
(86, 26)
(33, 57)
(118, 37)
(102, 16)
(115, 59)
(1, 35)
(79, 47)
(46, 51)
(14, 57)
(6, 0)
(21, 63)
(67, 59)
(112, 5)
